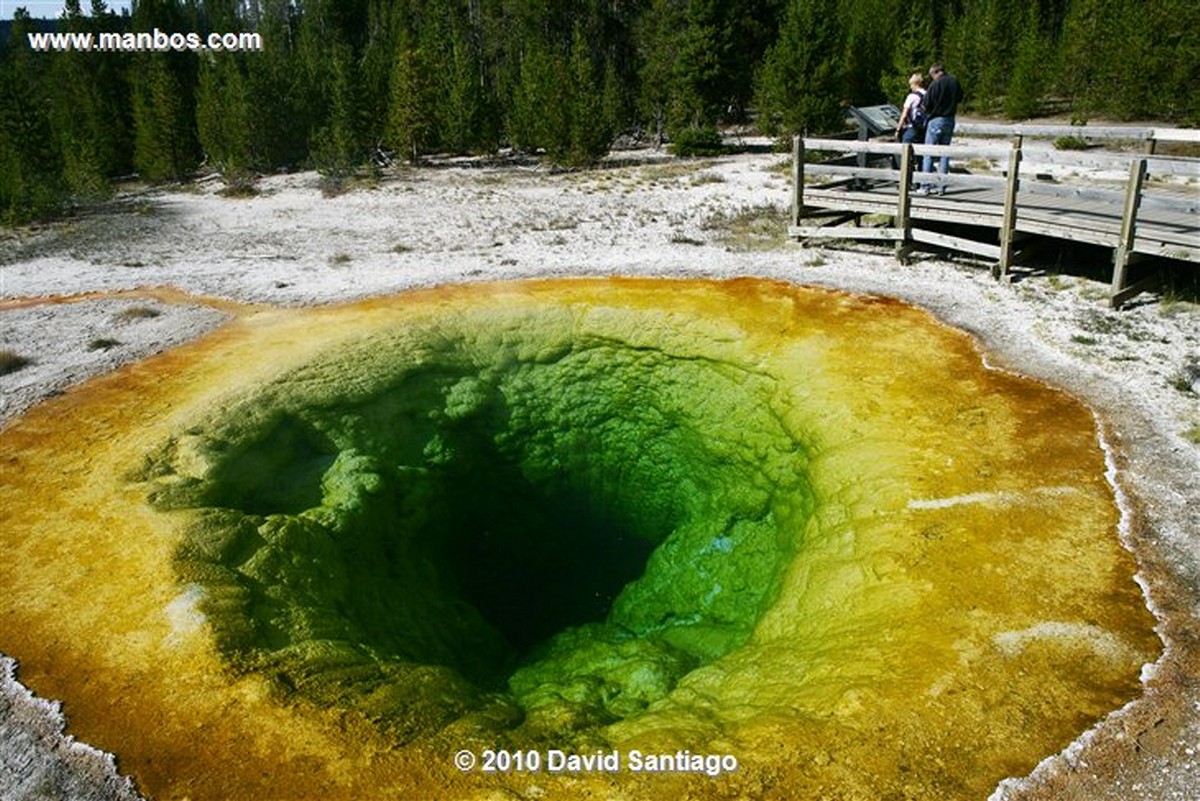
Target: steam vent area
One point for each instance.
(321, 554)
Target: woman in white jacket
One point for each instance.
(911, 127)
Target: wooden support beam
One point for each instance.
(904, 203)
(955, 243)
(842, 232)
(1124, 250)
(827, 219)
(797, 178)
(1008, 224)
(813, 213)
(1147, 284)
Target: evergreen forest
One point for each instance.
(338, 80)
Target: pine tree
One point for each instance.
(1175, 97)
(1082, 30)
(979, 47)
(697, 61)
(1128, 91)
(704, 45)
(375, 71)
(338, 146)
(410, 110)
(224, 113)
(755, 28)
(329, 38)
(913, 51)
(802, 85)
(1026, 84)
(31, 182)
(539, 114)
(657, 31)
(1115, 84)
(84, 123)
(589, 136)
(163, 97)
(164, 147)
(109, 111)
(468, 118)
(433, 40)
(280, 89)
(614, 109)
(868, 46)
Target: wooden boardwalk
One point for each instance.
(1001, 202)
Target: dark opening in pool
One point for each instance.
(599, 520)
(534, 562)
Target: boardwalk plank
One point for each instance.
(1131, 219)
(1092, 216)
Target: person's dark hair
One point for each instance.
(936, 69)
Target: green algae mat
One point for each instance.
(572, 539)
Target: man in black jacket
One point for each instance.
(941, 104)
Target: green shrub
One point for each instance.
(11, 361)
(138, 313)
(704, 141)
(1071, 143)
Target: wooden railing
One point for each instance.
(880, 178)
(1147, 137)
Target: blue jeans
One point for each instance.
(938, 132)
(910, 135)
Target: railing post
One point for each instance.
(904, 201)
(797, 179)
(1008, 225)
(1124, 250)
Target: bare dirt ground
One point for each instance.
(158, 267)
